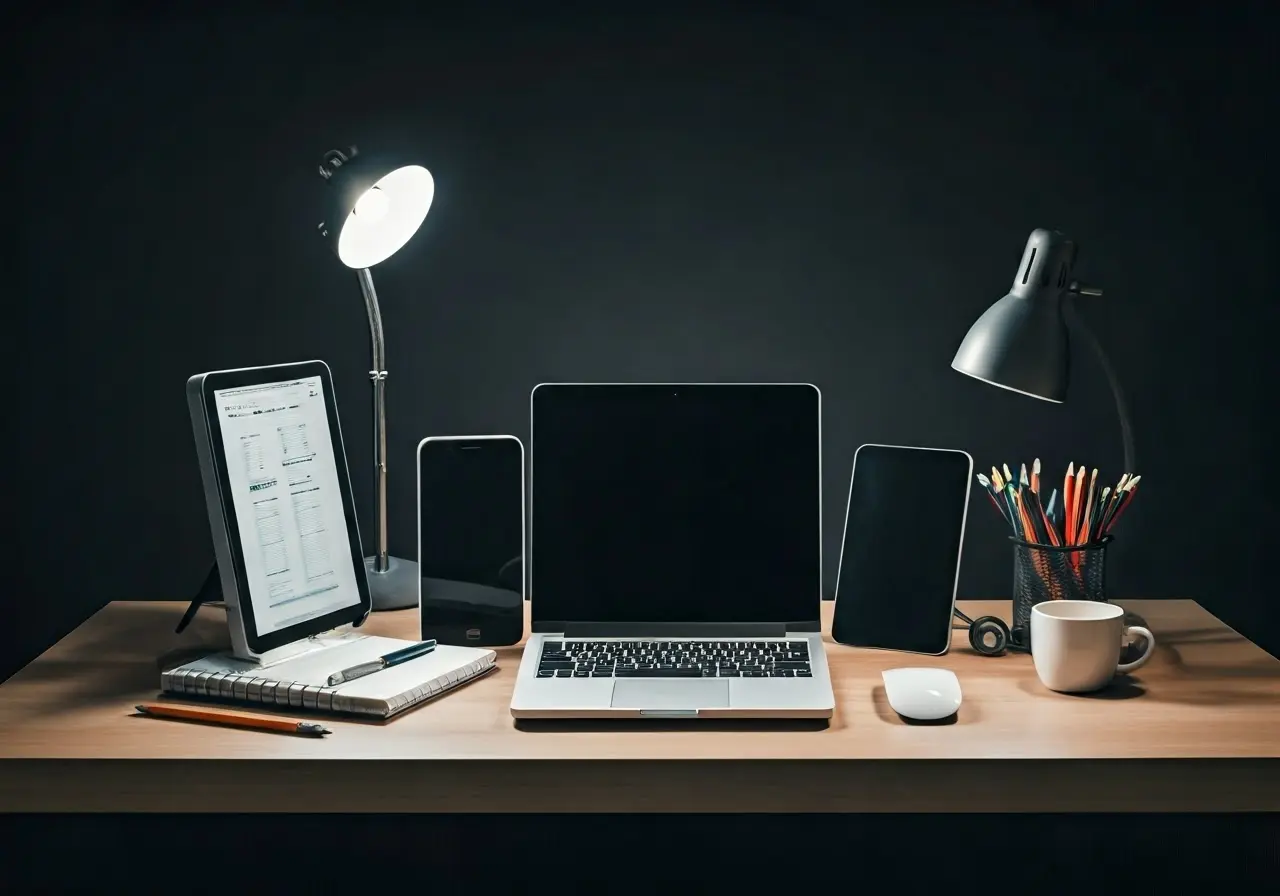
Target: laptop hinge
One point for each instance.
(661, 630)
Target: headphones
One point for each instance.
(990, 636)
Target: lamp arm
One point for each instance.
(1122, 406)
(378, 375)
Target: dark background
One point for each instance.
(820, 194)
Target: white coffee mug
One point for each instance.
(1075, 644)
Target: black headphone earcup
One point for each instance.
(989, 636)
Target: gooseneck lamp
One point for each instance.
(1021, 342)
(374, 205)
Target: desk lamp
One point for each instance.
(1020, 343)
(373, 206)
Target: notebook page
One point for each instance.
(399, 687)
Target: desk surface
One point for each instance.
(1198, 728)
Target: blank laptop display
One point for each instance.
(675, 504)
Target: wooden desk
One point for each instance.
(1197, 729)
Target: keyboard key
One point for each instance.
(659, 673)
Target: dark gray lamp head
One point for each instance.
(1020, 342)
(374, 204)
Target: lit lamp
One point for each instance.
(1020, 343)
(374, 205)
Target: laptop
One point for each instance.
(675, 553)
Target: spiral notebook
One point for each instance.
(300, 681)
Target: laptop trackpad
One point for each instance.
(670, 693)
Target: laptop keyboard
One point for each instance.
(675, 659)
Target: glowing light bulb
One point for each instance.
(372, 206)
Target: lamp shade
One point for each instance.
(1020, 343)
(374, 204)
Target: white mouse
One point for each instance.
(921, 693)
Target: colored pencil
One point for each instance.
(1068, 503)
(1100, 511)
(1044, 517)
(1079, 512)
(1082, 516)
(1124, 502)
(986, 486)
(1087, 519)
(1116, 494)
(1027, 505)
(1019, 524)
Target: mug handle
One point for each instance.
(1150, 640)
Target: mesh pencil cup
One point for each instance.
(1044, 572)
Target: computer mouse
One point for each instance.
(921, 693)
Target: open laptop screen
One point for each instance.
(675, 504)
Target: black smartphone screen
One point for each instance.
(471, 540)
(900, 560)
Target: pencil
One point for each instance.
(1014, 517)
(1038, 559)
(1052, 510)
(1116, 494)
(1095, 534)
(1086, 526)
(1125, 501)
(1068, 503)
(1077, 514)
(1044, 518)
(1022, 478)
(1029, 516)
(1035, 476)
(231, 719)
(986, 486)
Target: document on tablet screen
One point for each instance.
(289, 513)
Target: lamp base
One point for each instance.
(395, 589)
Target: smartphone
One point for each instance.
(471, 519)
(900, 556)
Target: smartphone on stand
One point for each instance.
(471, 534)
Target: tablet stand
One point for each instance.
(210, 591)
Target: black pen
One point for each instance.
(391, 659)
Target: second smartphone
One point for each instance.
(471, 518)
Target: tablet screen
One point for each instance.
(901, 554)
(289, 511)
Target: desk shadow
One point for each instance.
(1122, 687)
(886, 713)
(586, 726)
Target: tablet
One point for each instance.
(900, 557)
(280, 505)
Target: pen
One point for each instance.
(394, 658)
(231, 719)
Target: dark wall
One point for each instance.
(820, 196)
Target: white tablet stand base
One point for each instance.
(394, 589)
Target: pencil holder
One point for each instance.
(1047, 572)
